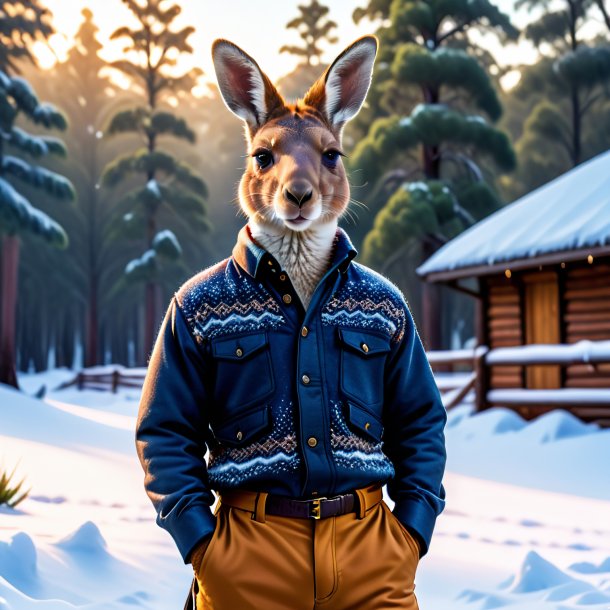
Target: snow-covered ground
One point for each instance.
(526, 526)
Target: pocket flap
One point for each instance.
(239, 348)
(243, 429)
(366, 344)
(364, 421)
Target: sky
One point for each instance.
(258, 27)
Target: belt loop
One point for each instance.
(361, 503)
(259, 507)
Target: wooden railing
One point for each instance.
(457, 373)
(107, 378)
(589, 403)
(455, 385)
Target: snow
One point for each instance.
(146, 260)
(86, 535)
(166, 243)
(19, 212)
(566, 396)
(571, 212)
(525, 526)
(583, 351)
(153, 187)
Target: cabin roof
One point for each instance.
(569, 215)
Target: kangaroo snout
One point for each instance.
(298, 193)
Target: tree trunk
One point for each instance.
(431, 157)
(576, 127)
(8, 323)
(431, 308)
(151, 319)
(68, 338)
(91, 356)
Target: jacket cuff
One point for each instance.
(418, 518)
(190, 527)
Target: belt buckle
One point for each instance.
(316, 508)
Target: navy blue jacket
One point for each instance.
(287, 401)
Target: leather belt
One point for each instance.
(260, 504)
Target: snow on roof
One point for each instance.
(571, 212)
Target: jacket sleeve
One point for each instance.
(171, 431)
(415, 419)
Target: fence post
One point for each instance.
(482, 381)
(115, 381)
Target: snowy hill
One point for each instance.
(526, 524)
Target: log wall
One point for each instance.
(504, 328)
(586, 299)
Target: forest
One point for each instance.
(118, 179)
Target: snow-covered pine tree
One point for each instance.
(575, 86)
(77, 298)
(19, 153)
(427, 157)
(168, 182)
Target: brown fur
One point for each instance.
(294, 204)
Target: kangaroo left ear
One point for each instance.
(245, 88)
(340, 92)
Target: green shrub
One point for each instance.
(9, 493)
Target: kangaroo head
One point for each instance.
(294, 178)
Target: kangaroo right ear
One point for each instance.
(245, 88)
(340, 91)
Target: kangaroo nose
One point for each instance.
(298, 196)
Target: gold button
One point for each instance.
(304, 331)
(239, 435)
(312, 441)
(270, 262)
(239, 352)
(305, 379)
(365, 347)
(286, 298)
(282, 276)
(367, 425)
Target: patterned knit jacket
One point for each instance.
(298, 403)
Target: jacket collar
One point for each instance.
(254, 259)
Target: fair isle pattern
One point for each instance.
(274, 453)
(369, 302)
(351, 450)
(215, 304)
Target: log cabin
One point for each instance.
(540, 271)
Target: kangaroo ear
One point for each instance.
(340, 91)
(245, 88)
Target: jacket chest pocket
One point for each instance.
(244, 375)
(363, 357)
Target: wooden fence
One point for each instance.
(588, 403)
(458, 372)
(107, 378)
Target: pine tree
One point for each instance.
(313, 27)
(22, 22)
(578, 81)
(168, 182)
(19, 171)
(427, 160)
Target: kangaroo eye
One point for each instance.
(330, 158)
(263, 158)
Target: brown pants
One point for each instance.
(281, 563)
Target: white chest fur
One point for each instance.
(303, 255)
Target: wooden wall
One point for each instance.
(582, 292)
(586, 303)
(504, 327)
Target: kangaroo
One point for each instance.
(295, 418)
(294, 188)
